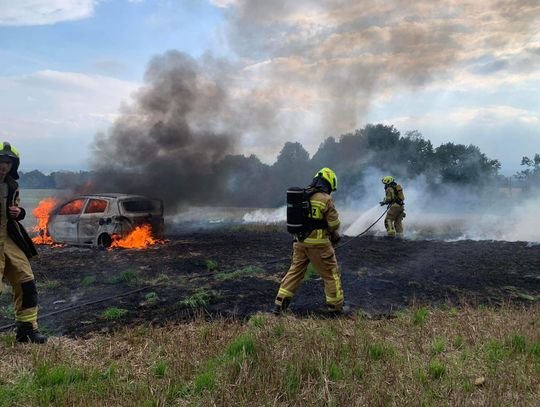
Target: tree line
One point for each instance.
(240, 180)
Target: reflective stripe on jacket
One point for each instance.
(322, 208)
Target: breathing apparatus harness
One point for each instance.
(300, 222)
(399, 197)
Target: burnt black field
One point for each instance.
(379, 277)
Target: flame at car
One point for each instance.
(42, 213)
(140, 238)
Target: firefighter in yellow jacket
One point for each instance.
(317, 247)
(16, 248)
(395, 199)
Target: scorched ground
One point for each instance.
(185, 277)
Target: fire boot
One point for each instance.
(27, 333)
(279, 308)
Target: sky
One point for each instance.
(457, 71)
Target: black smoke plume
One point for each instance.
(168, 140)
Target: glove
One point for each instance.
(335, 238)
(382, 203)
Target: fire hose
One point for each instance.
(128, 293)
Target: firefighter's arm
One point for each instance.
(389, 195)
(332, 216)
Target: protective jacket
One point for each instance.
(394, 194)
(15, 230)
(322, 208)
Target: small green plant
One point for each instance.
(494, 350)
(51, 284)
(278, 330)
(246, 271)
(291, 380)
(453, 311)
(205, 380)
(468, 387)
(258, 321)
(124, 277)
(517, 343)
(88, 281)
(110, 372)
(151, 297)
(7, 311)
(243, 345)
(458, 342)
(358, 372)
(211, 265)
(436, 369)
(114, 313)
(438, 346)
(201, 298)
(48, 376)
(335, 372)
(311, 273)
(535, 349)
(420, 375)
(160, 368)
(379, 350)
(420, 315)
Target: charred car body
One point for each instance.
(93, 220)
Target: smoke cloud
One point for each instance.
(300, 71)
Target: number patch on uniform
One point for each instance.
(316, 213)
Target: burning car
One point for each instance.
(99, 219)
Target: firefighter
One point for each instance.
(317, 248)
(395, 199)
(16, 248)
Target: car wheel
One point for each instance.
(104, 241)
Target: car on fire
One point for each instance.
(96, 219)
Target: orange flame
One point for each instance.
(139, 238)
(42, 212)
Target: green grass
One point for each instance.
(7, 311)
(211, 265)
(438, 346)
(160, 368)
(151, 297)
(114, 313)
(201, 298)
(436, 369)
(88, 281)
(234, 275)
(126, 276)
(51, 284)
(420, 315)
(288, 361)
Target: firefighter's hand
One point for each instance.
(335, 238)
(382, 203)
(14, 212)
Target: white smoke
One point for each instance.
(266, 216)
(451, 213)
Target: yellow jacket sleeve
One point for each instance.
(331, 216)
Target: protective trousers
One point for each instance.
(323, 259)
(14, 266)
(393, 220)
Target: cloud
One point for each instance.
(58, 111)
(42, 12)
(320, 68)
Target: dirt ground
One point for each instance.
(379, 277)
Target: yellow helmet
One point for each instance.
(7, 150)
(329, 175)
(387, 180)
